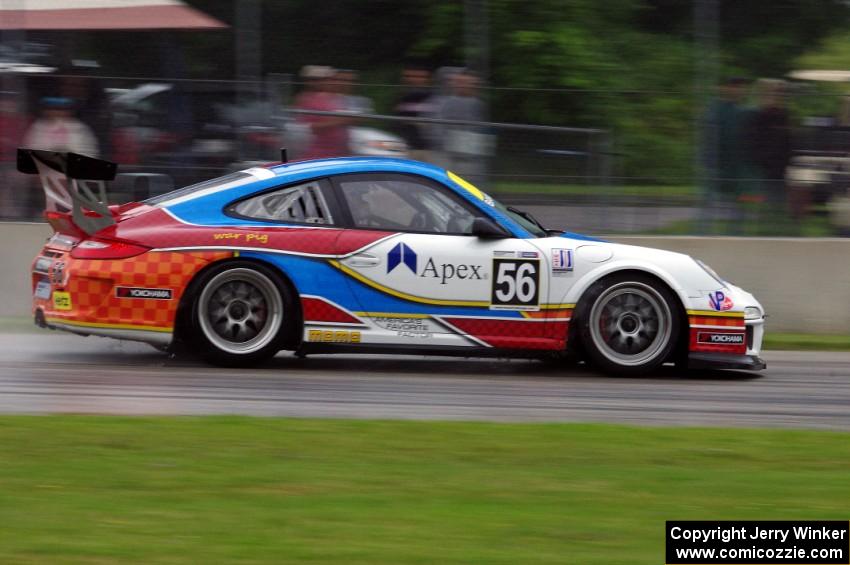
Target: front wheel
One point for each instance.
(239, 314)
(629, 324)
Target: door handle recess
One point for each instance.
(364, 260)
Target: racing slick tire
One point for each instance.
(629, 324)
(241, 314)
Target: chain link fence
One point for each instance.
(167, 133)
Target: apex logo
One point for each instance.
(401, 253)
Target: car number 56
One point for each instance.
(516, 283)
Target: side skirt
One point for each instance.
(376, 349)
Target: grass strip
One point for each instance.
(80, 489)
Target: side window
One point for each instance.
(403, 204)
(303, 203)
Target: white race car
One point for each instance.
(369, 254)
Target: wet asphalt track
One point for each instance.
(52, 372)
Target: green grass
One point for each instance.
(79, 489)
(807, 342)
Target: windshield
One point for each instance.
(524, 219)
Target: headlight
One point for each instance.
(752, 313)
(711, 272)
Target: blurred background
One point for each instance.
(708, 117)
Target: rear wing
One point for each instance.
(74, 185)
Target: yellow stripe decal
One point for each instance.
(108, 326)
(715, 313)
(404, 295)
(422, 299)
(557, 306)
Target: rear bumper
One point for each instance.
(697, 360)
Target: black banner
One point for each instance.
(758, 542)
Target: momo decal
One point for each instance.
(148, 293)
(334, 336)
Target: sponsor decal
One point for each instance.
(720, 338)
(562, 260)
(42, 265)
(719, 301)
(406, 327)
(42, 290)
(147, 293)
(528, 254)
(333, 336)
(62, 300)
(401, 254)
(58, 274)
(504, 254)
(249, 237)
(448, 271)
(516, 284)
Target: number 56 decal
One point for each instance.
(516, 284)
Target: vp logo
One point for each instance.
(401, 253)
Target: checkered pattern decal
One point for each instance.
(318, 309)
(514, 334)
(91, 285)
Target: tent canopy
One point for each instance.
(103, 15)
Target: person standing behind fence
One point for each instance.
(346, 82)
(465, 146)
(56, 129)
(724, 157)
(12, 127)
(770, 146)
(416, 101)
(329, 134)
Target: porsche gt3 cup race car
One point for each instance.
(367, 255)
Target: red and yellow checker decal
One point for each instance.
(318, 310)
(513, 334)
(728, 326)
(91, 284)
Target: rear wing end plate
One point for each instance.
(74, 185)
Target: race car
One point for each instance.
(367, 254)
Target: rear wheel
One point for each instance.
(630, 324)
(241, 314)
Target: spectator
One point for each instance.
(329, 134)
(770, 143)
(724, 157)
(12, 127)
(59, 130)
(465, 146)
(345, 81)
(416, 101)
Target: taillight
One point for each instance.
(103, 249)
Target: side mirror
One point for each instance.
(488, 229)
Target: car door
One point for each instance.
(429, 281)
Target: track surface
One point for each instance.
(49, 372)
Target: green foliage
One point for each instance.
(624, 65)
